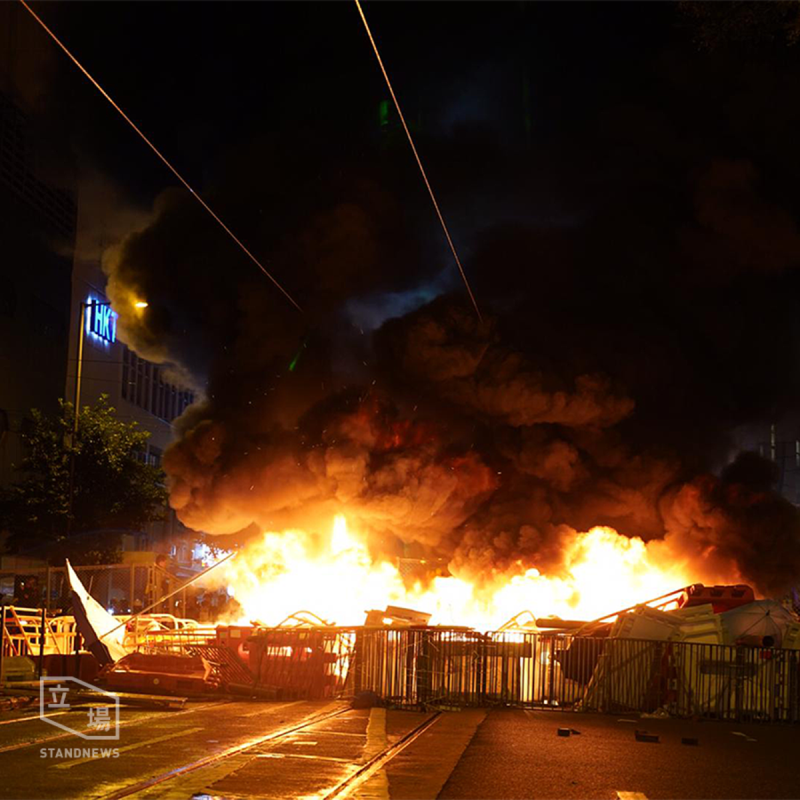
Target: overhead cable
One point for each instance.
(419, 162)
(163, 158)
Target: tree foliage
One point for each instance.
(113, 489)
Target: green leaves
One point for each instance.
(113, 487)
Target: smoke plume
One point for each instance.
(620, 347)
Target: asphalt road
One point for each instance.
(518, 754)
(245, 750)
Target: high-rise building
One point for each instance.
(778, 441)
(139, 390)
(37, 240)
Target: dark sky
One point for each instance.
(201, 78)
(620, 179)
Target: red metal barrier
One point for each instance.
(301, 662)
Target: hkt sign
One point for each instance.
(101, 321)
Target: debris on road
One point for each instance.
(660, 713)
(12, 703)
(644, 736)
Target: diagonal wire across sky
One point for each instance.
(162, 157)
(215, 216)
(419, 162)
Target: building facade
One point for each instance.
(37, 231)
(780, 443)
(139, 390)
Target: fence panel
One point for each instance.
(121, 588)
(449, 668)
(299, 662)
(463, 668)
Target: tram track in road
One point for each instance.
(347, 786)
(357, 774)
(215, 758)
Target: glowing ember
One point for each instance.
(336, 578)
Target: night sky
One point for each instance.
(202, 78)
(620, 180)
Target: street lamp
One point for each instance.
(111, 327)
(107, 330)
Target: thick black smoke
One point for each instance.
(639, 285)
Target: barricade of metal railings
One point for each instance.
(462, 667)
(745, 684)
(302, 662)
(176, 642)
(22, 633)
(442, 667)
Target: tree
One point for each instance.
(113, 489)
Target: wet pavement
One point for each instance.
(519, 754)
(245, 750)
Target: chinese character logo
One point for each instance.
(59, 694)
(100, 718)
(63, 704)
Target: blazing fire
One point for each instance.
(337, 579)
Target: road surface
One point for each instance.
(246, 750)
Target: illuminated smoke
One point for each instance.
(616, 358)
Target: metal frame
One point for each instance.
(447, 668)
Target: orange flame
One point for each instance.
(336, 579)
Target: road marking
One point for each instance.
(223, 762)
(304, 755)
(631, 796)
(376, 786)
(365, 772)
(75, 762)
(39, 716)
(135, 721)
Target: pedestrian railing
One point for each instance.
(434, 667)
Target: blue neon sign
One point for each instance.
(101, 321)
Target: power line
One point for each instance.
(157, 152)
(419, 162)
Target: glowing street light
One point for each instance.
(140, 304)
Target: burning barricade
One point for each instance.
(719, 654)
(435, 639)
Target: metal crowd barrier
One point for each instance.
(436, 667)
(302, 662)
(465, 668)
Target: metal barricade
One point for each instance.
(439, 667)
(436, 667)
(302, 662)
